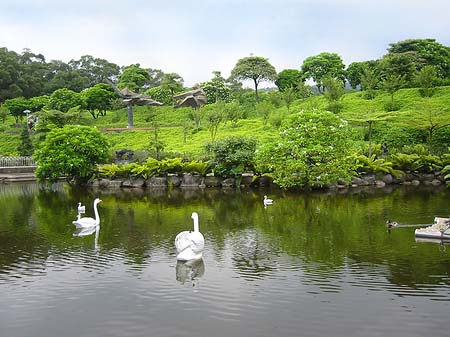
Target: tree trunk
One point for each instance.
(256, 89)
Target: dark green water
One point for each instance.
(319, 264)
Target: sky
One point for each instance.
(194, 38)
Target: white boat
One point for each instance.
(439, 230)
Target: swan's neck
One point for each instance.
(97, 217)
(196, 228)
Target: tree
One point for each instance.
(333, 93)
(288, 78)
(254, 68)
(173, 82)
(391, 84)
(232, 156)
(25, 147)
(64, 99)
(428, 117)
(369, 116)
(17, 106)
(161, 94)
(215, 117)
(98, 99)
(369, 81)
(353, 73)
(425, 52)
(72, 152)
(426, 79)
(313, 150)
(322, 66)
(134, 78)
(216, 89)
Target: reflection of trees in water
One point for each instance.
(252, 255)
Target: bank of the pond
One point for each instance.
(187, 180)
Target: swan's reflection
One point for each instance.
(190, 271)
(88, 231)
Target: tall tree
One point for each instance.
(173, 82)
(322, 66)
(254, 68)
(426, 80)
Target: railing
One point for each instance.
(16, 161)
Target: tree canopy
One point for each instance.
(254, 68)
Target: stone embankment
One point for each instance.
(249, 180)
(17, 174)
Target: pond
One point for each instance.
(311, 264)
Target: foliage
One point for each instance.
(391, 84)
(288, 78)
(196, 167)
(98, 99)
(426, 80)
(134, 78)
(72, 152)
(323, 66)
(314, 149)
(161, 94)
(17, 106)
(415, 162)
(374, 164)
(254, 68)
(64, 99)
(172, 82)
(232, 156)
(333, 93)
(26, 147)
(216, 89)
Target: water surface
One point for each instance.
(317, 264)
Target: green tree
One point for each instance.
(333, 93)
(254, 68)
(369, 82)
(98, 99)
(17, 106)
(64, 99)
(215, 117)
(428, 117)
(216, 89)
(369, 116)
(323, 66)
(72, 152)
(161, 94)
(426, 80)
(425, 52)
(288, 78)
(313, 150)
(134, 78)
(391, 84)
(173, 82)
(232, 156)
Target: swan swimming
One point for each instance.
(81, 210)
(87, 221)
(267, 201)
(190, 244)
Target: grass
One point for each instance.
(171, 122)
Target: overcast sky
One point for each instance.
(194, 38)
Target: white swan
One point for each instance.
(81, 210)
(267, 201)
(190, 244)
(89, 222)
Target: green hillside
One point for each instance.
(172, 123)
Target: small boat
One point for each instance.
(440, 229)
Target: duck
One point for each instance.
(190, 244)
(87, 221)
(267, 201)
(391, 224)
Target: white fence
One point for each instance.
(16, 161)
